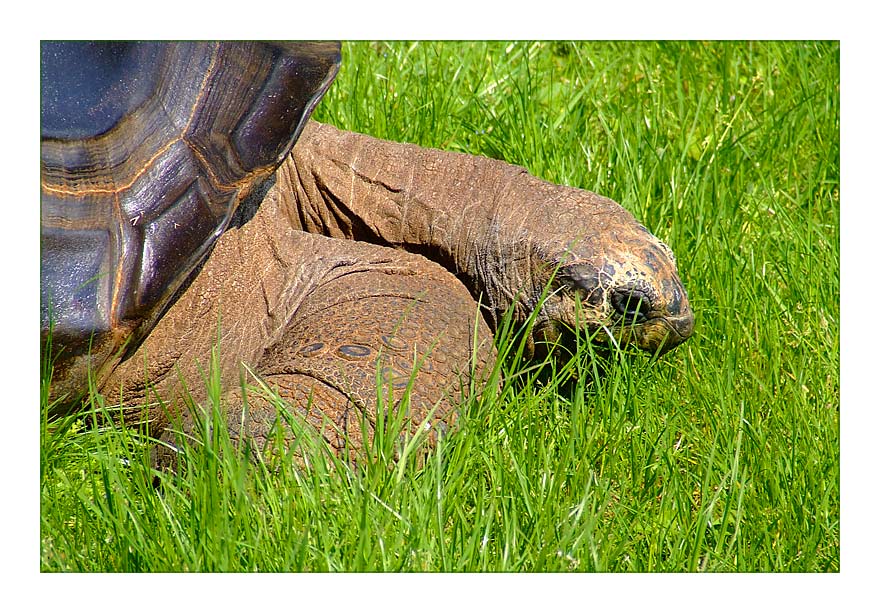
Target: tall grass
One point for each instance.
(721, 456)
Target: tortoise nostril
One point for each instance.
(631, 304)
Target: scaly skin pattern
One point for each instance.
(330, 283)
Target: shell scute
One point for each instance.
(145, 151)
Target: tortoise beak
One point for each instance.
(678, 329)
(667, 329)
(674, 324)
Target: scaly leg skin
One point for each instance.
(349, 329)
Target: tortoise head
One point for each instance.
(620, 285)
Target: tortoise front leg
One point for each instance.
(379, 316)
(416, 331)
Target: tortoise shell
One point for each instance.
(146, 151)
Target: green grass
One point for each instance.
(722, 456)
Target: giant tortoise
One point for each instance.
(177, 216)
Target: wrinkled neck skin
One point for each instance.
(503, 232)
(440, 204)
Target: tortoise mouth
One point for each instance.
(663, 333)
(655, 335)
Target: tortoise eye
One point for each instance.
(631, 304)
